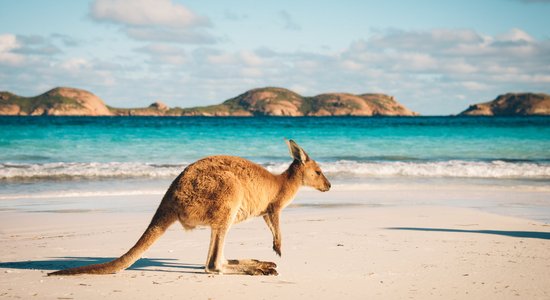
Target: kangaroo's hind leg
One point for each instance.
(215, 259)
(216, 263)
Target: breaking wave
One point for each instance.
(343, 169)
(442, 169)
(62, 170)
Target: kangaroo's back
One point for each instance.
(242, 168)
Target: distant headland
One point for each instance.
(512, 104)
(269, 101)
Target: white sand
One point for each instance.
(345, 253)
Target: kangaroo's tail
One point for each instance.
(160, 222)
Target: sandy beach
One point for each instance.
(351, 251)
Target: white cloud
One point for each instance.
(75, 64)
(237, 59)
(250, 58)
(450, 53)
(414, 61)
(458, 66)
(252, 72)
(159, 49)
(221, 59)
(437, 39)
(145, 13)
(37, 45)
(474, 86)
(170, 35)
(351, 65)
(9, 43)
(154, 20)
(541, 79)
(515, 34)
(164, 54)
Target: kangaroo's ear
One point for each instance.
(296, 151)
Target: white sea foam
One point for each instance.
(88, 170)
(82, 194)
(343, 169)
(464, 169)
(445, 169)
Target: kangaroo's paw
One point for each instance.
(260, 270)
(252, 262)
(250, 267)
(277, 248)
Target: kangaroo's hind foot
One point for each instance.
(250, 267)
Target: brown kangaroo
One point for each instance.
(219, 191)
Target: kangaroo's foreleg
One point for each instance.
(272, 220)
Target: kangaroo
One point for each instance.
(219, 191)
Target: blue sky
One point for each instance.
(436, 57)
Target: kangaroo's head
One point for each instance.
(312, 174)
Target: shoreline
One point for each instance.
(522, 200)
(457, 116)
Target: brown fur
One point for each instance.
(219, 191)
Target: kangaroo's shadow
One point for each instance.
(143, 264)
(518, 234)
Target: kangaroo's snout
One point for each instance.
(327, 186)
(324, 185)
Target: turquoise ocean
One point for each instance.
(44, 158)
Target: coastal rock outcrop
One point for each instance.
(512, 104)
(155, 109)
(340, 104)
(59, 101)
(159, 105)
(273, 101)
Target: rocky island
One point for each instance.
(269, 101)
(56, 102)
(283, 102)
(512, 104)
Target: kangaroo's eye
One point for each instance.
(318, 172)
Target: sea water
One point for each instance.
(43, 158)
